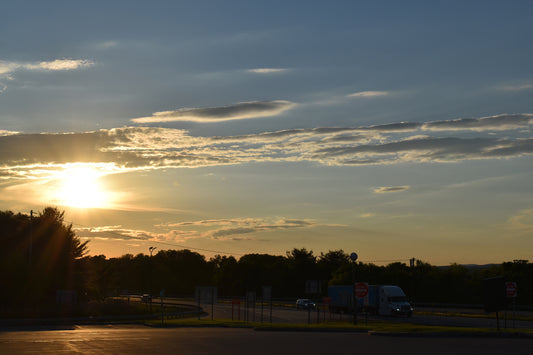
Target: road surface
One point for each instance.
(146, 340)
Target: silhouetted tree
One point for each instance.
(256, 270)
(301, 267)
(224, 269)
(180, 271)
(330, 262)
(39, 256)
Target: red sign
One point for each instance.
(361, 289)
(510, 289)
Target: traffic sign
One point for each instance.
(361, 289)
(511, 289)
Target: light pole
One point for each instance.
(353, 257)
(151, 249)
(31, 238)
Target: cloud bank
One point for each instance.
(24, 156)
(221, 229)
(242, 110)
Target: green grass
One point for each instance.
(475, 315)
(376, 326)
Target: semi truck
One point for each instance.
(386, 300)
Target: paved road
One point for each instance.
(145, 340)
(291, 315)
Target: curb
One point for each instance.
(453, 334)
(302, 329)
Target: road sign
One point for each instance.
(511, 289)
(361, 289)
(353, 256)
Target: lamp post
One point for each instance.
(151, 249)
(353, 257)
(31, 238)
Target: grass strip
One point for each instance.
(474, 315)
(370, 326)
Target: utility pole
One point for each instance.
(151, 286)
(31, 238)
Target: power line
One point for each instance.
(385, 261)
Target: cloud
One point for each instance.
(111, 232)
(225, 228)
(105, 45)
(8, 133)
(388, 189)
(222, 229)
(517, 87)
(243, 110)
(521, 223)
(26, 156)
(7, 69)
(267, 70)
(61, 64)
(54, 65)
(495, 123)
(368, 94)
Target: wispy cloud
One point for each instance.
(388, 189)
(494, 123)
(516, 87)
(223, 229)
(61, 64)
(243, 110)
(54, 65)
(105, 44)
(368, 94)
(267, 70)
(521, 222)
(7, 69)
(7, 133)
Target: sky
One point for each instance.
(393, 129)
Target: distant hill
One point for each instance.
(470, 266)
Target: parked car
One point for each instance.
(305, 303)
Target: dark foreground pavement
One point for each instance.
(127, 339)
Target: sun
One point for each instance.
(80, 187)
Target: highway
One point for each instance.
(284, 314)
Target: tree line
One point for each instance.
(42, 254)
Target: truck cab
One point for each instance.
(392, 301)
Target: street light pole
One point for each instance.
(353, 257)
(151, 249)
(31, 238)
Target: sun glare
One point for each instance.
(80, 188)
